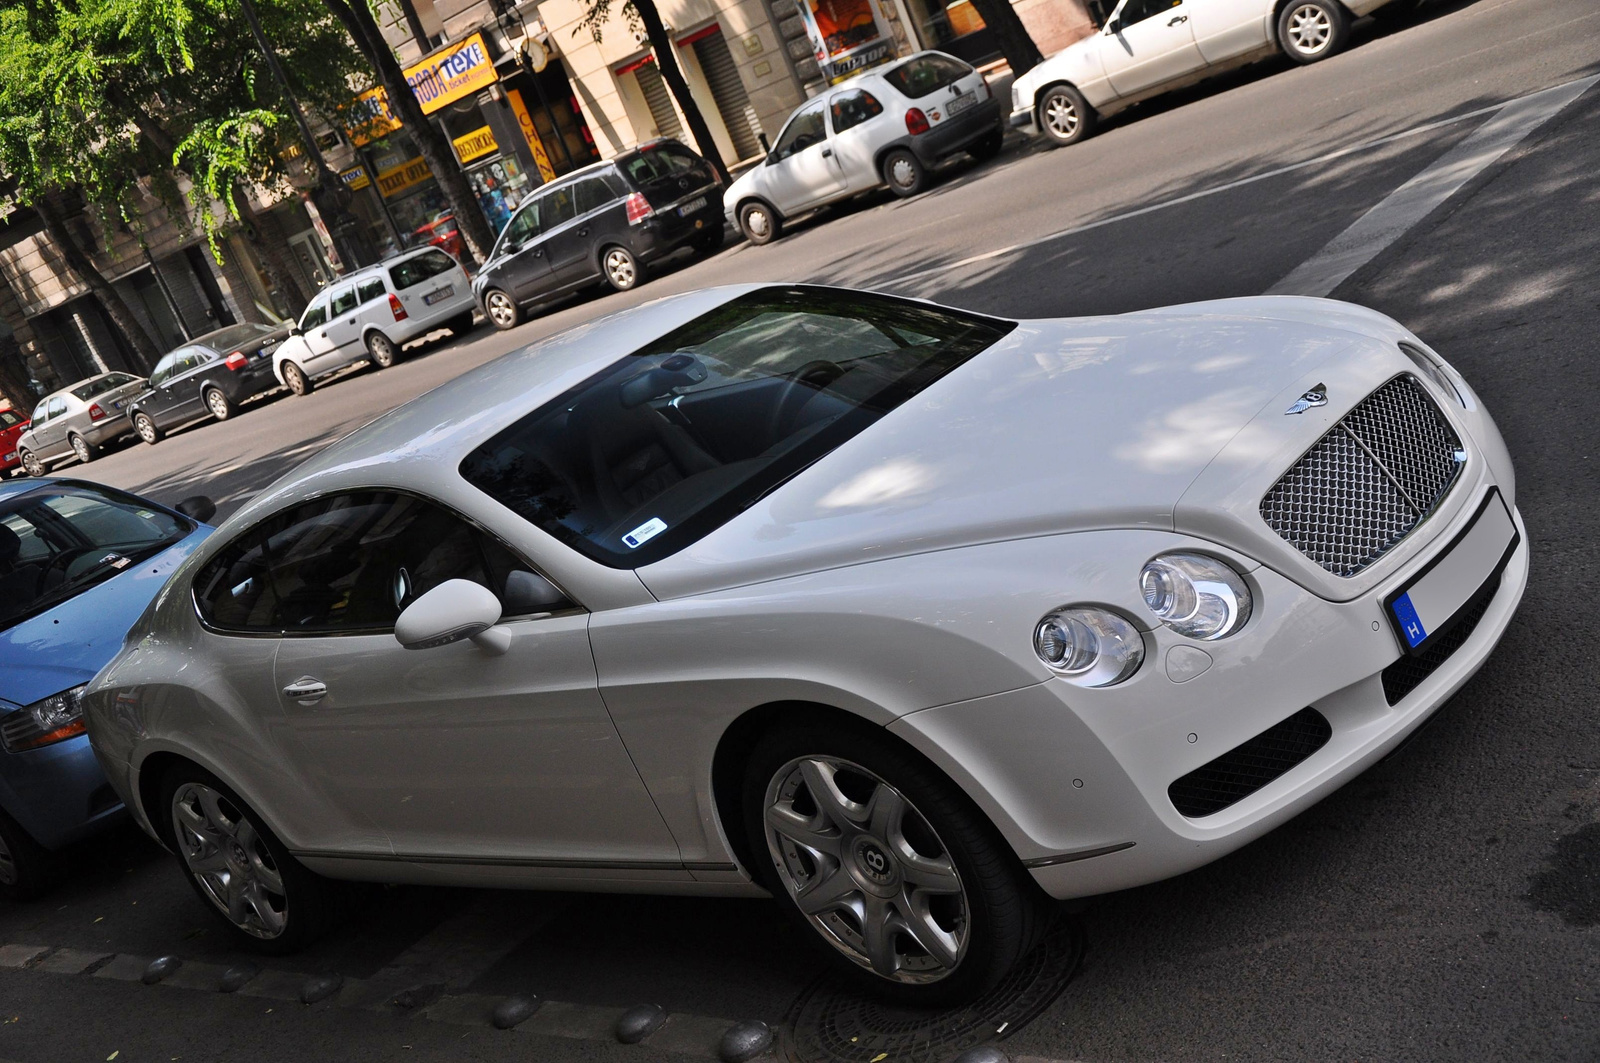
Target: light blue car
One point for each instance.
(78, 564)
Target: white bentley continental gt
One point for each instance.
(911, 617)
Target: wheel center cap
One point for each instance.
(873, 862)
(239, 854)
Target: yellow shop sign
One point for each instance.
(446, 76)
(475, 145)
(369, 117)
(397, 179)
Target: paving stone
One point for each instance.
(70, 961)
(125, 968)
(559, 1019)
(21, 955)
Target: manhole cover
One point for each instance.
(831, 1023)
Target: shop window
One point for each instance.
(850, 109)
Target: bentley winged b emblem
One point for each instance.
(1317, 396)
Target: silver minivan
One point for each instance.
(78, 420)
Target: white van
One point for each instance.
(371, 313)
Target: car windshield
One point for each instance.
(672, 441)
(58, 541)
(101, 384)
(234, 336)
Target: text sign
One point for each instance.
(445, 77)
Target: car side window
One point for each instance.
(524, 227)
(315, 316)
(592, 194)
(41, 413)
(1135, 11)
(163, 370)
(346, 563)
(370, 290)
(58, 406)
(852, 108)
(344, 300)
(191, 358)
(557, 208)
(805, 129)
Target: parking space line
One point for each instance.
(1413, 201)
(1320, 160)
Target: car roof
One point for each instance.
(65, 391)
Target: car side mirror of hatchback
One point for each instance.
(197, 507)
(454, 610)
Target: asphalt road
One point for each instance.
(1441, 907)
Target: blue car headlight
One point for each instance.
(54, 719)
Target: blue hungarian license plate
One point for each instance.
(1428, 606)
(9, 457)
(443, 293)
(692, 206)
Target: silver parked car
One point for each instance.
(78, 420)
(885, 127)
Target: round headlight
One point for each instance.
(1195, 595)
(1087, 646)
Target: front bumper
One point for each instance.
(1023, 120)
(1077, 779)
(57, 793)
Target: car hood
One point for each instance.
(1064, 425)
(67, 645)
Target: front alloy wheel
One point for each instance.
(295, 379)
(229, 860)
(1065, 116)
(1313, 29)
(31, 464)
(146, 428)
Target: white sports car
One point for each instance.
(911, 617)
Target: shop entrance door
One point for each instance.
(316, 272)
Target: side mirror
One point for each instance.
(1114, 26)
(529, 592)
(454, 610)
(294, 330)
(197, 507)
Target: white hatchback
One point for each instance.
(1153, 46)
(885, 127)
(371, 313)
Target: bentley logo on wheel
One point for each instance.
(1317, 396)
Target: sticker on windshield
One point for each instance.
(116, 561)
(644, 533)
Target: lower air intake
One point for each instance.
(1246, 768)
(1408, 673)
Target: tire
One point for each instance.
(83, 449)
(502, 310)
(147, 429)
(759, 223)
(31, 464)
(988, 147)
(27, 869)
(240, 870)
(220, 405)
(1311, 30)
(296, 380)
(1064, 115)
(381, 350)
(711, 241)
(904, 173)
(460, 325)
(620, 268)
(892, 813)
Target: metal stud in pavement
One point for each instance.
(982, 1054)
(513, 1010)
(638, 1023)
(744, 1041)
(159, 968)
(237, 977)
(320, 987)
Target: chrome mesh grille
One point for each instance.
(1368, 482)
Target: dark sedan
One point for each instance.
(209, 376)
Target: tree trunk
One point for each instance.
(436, 151)
(672, 74)
(145, 351)
(1015, 43)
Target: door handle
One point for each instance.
(306, 690)
(827, 153)
(1177, 19)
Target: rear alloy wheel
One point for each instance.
(904, 173)
(244, 873)
(906, 885)
(1311, 30)
(381, 350)
(503, 311)
(218, 404)
(295, 379)
(26, 868)
(759, 223)
(85, 450)
(30, 464)
(1065, 116)
(622, 271)
(146, 428)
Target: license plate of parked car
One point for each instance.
(961, 103)
(443, 293)
(691, 206)
(1432, 601)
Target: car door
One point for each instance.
(851, 114)
(601, 218)
(565, 237)
(527, 269)
(802, 169)
(456, 754)
(344, 334)
(321, 353)
(178, 396)
(1226, 28)
(1148, 43)
(50, 436)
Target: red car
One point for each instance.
(441, 232)
(12, 425)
